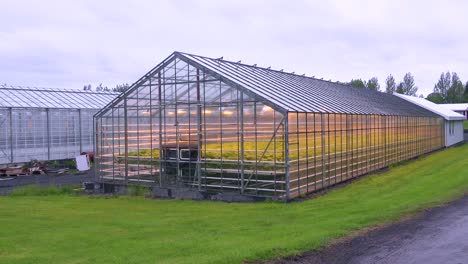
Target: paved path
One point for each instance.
(437, 236)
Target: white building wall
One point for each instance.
(455, 136)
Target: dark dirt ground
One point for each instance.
(51, 179)
(438, 235)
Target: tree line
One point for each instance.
(448, 89)
(406, 86)
(119, 88)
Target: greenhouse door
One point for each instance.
(181, 149)
(180, 164)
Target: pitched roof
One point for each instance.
(300, 93)
(456, 107)
(446, 113)
(32, 97)
(290, 92)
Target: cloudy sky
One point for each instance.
(67, 44)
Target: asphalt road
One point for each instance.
(437, 236)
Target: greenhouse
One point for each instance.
(218, 127)
(47, 124)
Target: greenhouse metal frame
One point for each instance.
(47, 124)
(217, 126)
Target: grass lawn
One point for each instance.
(78, 229)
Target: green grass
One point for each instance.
(81, 229)
(465, 125)
(34, 190)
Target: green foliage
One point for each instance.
(35, 190)
(399, 88)
(465, 125)
(54, 164)
(456, 90)
(137, 230)
(373, 84)
(145, 153)
(390, 84)
(358, 83)
(119, 88)
(436, 98)
(465, 93)
(450, 88)
(408, 86)
(69, 163)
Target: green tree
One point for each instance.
(101, 88)
(399, 88)
(465, 94)
(390, 84)
(456, 90)
(120, 88)
(358, 83)
(408, 85)
(450, 87)
(436, 98)
(443, 85)
(373, 84)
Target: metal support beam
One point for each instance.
(161, 158)
(48, 133)
(322, 126)
(10, 110)
(286, 160)
(80, 135)
(241, 137)
(199, 130)
(126, 139)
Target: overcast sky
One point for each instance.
(67, 44)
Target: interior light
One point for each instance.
(208, 112)
(266, 108)
(181, 111)
(228, 113)
(170, 113)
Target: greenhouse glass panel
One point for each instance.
(46, 124)
(214, 127)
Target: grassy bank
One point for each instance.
(72, 229)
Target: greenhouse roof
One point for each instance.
(32, 97)
(456, 107)
(446, 113)
(289, 92)
(301, 93)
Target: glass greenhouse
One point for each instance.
(217, 126)
(47, 124)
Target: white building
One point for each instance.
(453, 121)
(459, 108)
